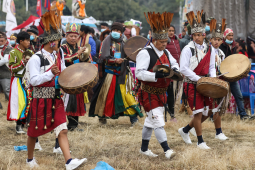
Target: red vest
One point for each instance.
(174, 48)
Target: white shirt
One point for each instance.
(186, 54)
(4, 60)
(36, 78)
(143, 62)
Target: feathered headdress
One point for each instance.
(51, 21)
(217, 29)
(159, 23)
(196, 22)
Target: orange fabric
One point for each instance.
(82, 9)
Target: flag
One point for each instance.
(39, 8)
(47, 4)
(6, 5)
(11, 21)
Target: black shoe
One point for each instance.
(245, 117)
(102, 121)
(1, 107)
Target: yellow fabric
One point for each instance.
(128, 99)
(86, 97)
(21, 97)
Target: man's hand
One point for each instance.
(253, 46)
(161, 74)
(82, 49)
(119, 60)
(55, 70)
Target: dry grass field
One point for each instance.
(118, 145)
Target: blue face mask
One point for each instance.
(115, 35)
(102, 30)
(207, 28)
(148, 36)
(12, 42)
(228, 41)
(1, 46)
(32, 37)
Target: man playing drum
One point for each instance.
(152, 94)
(216, 30)
(47, 108)
(195, 63)
(74, 104)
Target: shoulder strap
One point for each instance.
(166, 53)
(192, 51)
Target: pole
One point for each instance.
(26, 5)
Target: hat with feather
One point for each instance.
(196, 22)
(51, 23)
(217, 29)
(159, 23)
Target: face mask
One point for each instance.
(32, 37)
(1, 46)
(207, 28)
(115, 35)
(12, 42)
(102, 30)
(148, 36)
(228, 41)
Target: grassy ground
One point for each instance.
(118, 145)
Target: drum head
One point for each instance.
(236, 65)
(132, 45)
(211, 90)
(77, 75)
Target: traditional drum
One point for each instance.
(78, 78)
(212, 87)
(133, 46)
(237, 66)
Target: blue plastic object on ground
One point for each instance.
(20, 148)
(103, 166)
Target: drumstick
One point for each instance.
(222, 74)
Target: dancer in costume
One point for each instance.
(74, 104)
(111, 98)
(216, 31)
(85, 39)
(18, 97)
(47, 108)
(152, 94)
(195, 63)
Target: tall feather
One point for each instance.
(213, 25)
(223, 24)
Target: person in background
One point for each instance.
(149, 35)
(174, 48)
(241, 47)
(5, 74)
(186, 39)
(23, 29)
(97, 41)
(13, 39)
(183, 34)
(66, 10)
(104, 35)
(253, 46)
(229, 48)
(104, 26)
(35, 44)
(127, 33)
(86, 38)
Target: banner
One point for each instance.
(47, 4)
(6, 5)
(39, 8)
(11, 21)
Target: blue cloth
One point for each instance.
(103, 166)
(235, 90)
(92, 43)
(20, 148)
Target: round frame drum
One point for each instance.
(237, 66)
(212, 87)
(78, 78)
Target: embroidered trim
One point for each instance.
(153, 90)
(44, 92)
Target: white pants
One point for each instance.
(158, 120)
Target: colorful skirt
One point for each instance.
(111, 99)
(17, 100)
(74, 104)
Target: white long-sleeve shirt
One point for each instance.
(143, 62)
(186, 54)
(36, 78)
(4, 60)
